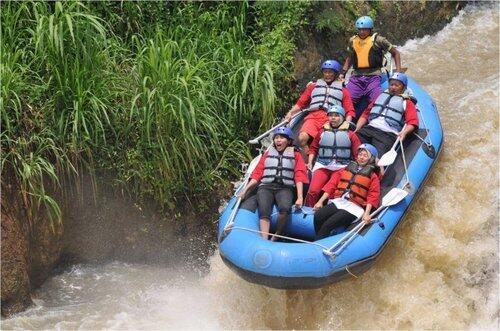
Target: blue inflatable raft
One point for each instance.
(302, 265)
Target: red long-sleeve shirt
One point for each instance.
(410, 115)
(305, 99)
(373, 197)
(355, 142)
(300, 169)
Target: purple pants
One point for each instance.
(360, 86)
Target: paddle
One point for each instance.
(256, 140)
(236, 206)
(393, 197)
(389, 157)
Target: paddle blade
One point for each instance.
(393, 197)
(388, 158)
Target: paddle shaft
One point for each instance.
(362, 225)
(284, 122)
(391, 154)
(399, 195)
(355, 230)
(265, 134)
(398, 138)
(233, 214)
(250, 169)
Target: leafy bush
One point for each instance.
(163, 94)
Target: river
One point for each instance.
(440, 271)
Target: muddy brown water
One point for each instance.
(440, 271)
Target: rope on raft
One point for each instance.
(279, 236)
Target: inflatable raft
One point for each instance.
(305, 263)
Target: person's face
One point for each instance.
(280, 142)
(396, 87)
(335, 119)
(363, 33)
(328, 75)
(363, 157)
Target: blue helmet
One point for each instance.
(331, 64)
(336, 109)
(284, 131)
(401, 77)
(370, 148)
(364, 22)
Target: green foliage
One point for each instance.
(338, 17)
(128, 18)
(372, 13)
(278, 26)
(196, 98)
(164, 94)
(375, 5)
(352, 7)
(330, 19)
(335, 17)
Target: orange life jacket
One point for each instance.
(366, 53)
(355, 182)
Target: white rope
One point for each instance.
(429, 144)
(296, 210)
(350, 273)
(280, 236)
(426, 127)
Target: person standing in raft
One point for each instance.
(356, 191)
(387, 116)
(366, 54)
(318, 97)
(334, 147)
(279, 171)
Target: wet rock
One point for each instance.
(102, 224)
(45, 248)
(31, 248)
(15, 263)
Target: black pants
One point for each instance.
(268, 195)
(382, 140)
(328, 218)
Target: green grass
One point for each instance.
(162, 95)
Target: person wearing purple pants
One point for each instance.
(366, 54)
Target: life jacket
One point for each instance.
(366, 54)
(279, 167)
(391, 107)
(334, 144)
(324, 96)
(355, 182)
